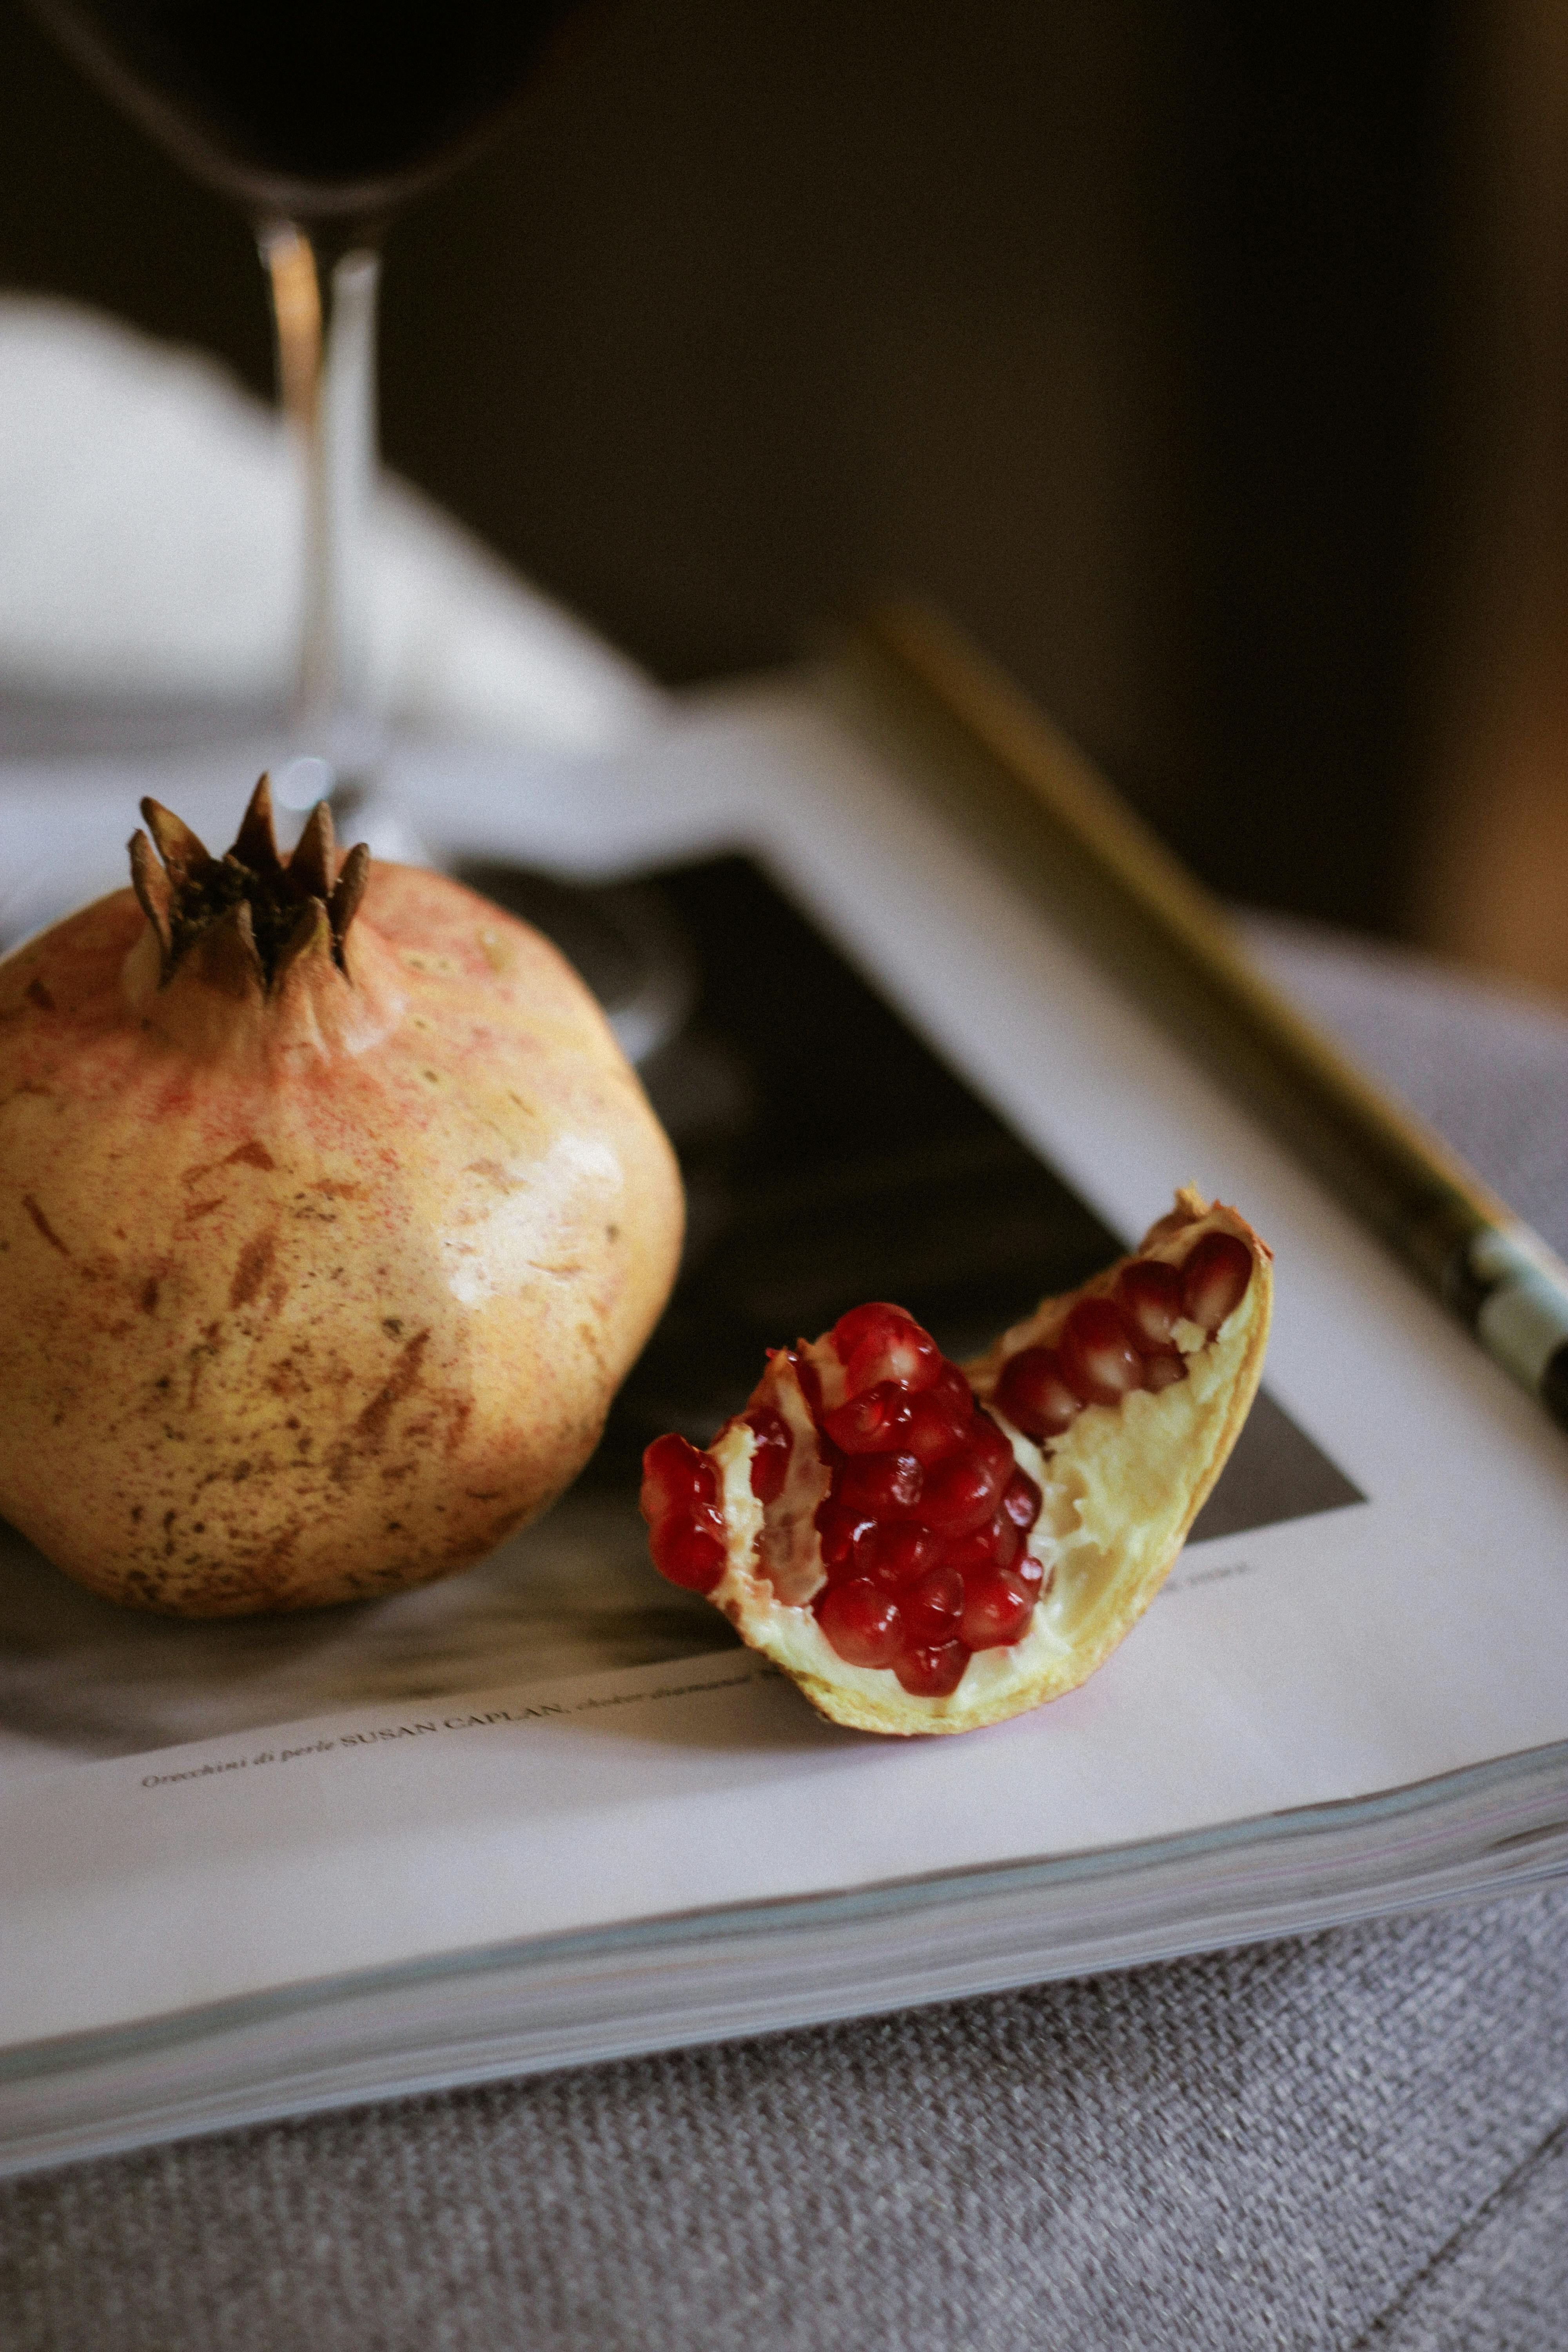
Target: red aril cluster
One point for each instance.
(1111, 1345)
(680, 1499)
(680, 1503)
(923, 1528)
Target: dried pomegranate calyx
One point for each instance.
(926, 1548)
(264, 912)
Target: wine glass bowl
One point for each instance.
(327, 112)
(319, 117)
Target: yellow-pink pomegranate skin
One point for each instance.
(319, 1267)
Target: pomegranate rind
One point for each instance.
(1119, 1491)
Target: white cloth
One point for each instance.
(150, 551)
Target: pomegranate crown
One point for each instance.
(268, 909)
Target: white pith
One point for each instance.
(1118, 1488)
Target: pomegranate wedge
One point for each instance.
(926, 1548)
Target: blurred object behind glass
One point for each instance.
(1167, 349)
(1489, 878)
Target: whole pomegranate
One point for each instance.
(929, 1549)
(331, 1217)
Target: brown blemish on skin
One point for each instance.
(371, 1426)
(255, 1264)
(149, 1299)
(290, 1378)
(36, 993)
(592, 1340)
(268, 1572)
(494, 1173)
(199, 1356)
(202, 1209)
(244, 1155)
(301, 1207)
(43, 1224)
(369, 1431)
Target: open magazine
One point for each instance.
(550, 1810)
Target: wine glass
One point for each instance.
(319, 117)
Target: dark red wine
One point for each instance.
(315, 108)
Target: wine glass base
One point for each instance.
(344, 766)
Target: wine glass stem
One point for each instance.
(324, 317)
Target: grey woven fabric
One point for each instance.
(1357, 2141)
(1503, 2281)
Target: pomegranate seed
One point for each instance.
(1164, 1371)
(676, 1477)
(996, 1545)
(1033, 1394)
(879, 1486)
(1097, 1352)
(1214, 1280)
(896, 1555)
(837, 1531)
(875, 1422)
(846, 1571)
(859, 1323)
(987, 1444)
(1150, 1292)
(971, 1553)
(932, 1672)
(878, 1343)
(932, 1609)
(961, 1494)
(1028, 1572)
(688, 1554)
(996, 1610)
(1021, 1500)
(937, 1427)
(1006, 1540)
(862, 1622)
(769, 1463)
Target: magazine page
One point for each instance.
(886, 1078)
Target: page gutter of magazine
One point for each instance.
(291, 1828)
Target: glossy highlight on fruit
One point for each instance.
(926, 1548)
(332, 1215)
